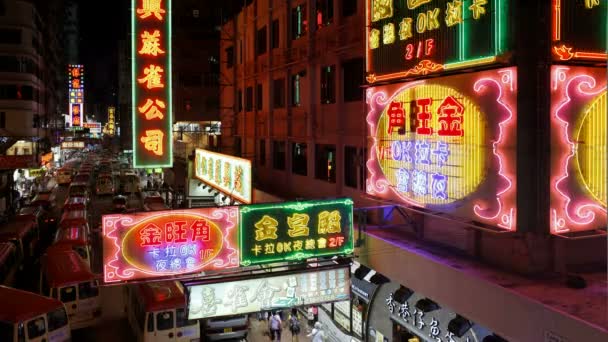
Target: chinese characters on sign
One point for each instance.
(72, 145)
(152, 110)
(268, 293)
(417, 37)
(228, 174)
(295, 230)
(76, 95)
(574, 33)
(155, 244)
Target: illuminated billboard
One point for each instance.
(268, 293)
(579, 30)
(151, 83)
(578, 149)
(169, 243)
(76, 95)
(292, 231)
(72, 145)
(447, 144)
(418, 37)
(228, 174)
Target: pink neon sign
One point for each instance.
(574, 92)
(169, 243)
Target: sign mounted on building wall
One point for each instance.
(76, 95)
(169, 243)
(447, 144)
(418, 37)
(152, 114)
(579, 30)
(72, 145)
(268, 293)
(578, 149)
(228, 174)
(291, 231)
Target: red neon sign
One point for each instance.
(149, 245)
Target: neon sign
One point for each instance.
(169, 243)
(228, 174)
(295, 230)
(435, 145)
(419, 37)
(76, 95)
(575, 30)
(151, 79)
(579, 128)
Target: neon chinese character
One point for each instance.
(200, 230)
(310, 244)
(190, 263)
(477, 8)
(382, 9)
(321, 243)
(149, 8)
(257, 249)
(75, 83)
(153, 77)
(287, 246)
(411, 4)
(174, 232)
(434, 331)
(155, 252)
(423, 116)
(374, 39)
(151, 43)
(161, 265)
(329, 222)
(403, 180)
(176, 264)
(439, 186)
(150, 236)
(419, 319)
(170, 251)
(453, 14)
(405, 29)
(404, 312)
(419, 182)
(442, 152)
(266, 228)
(591, 3)
(269, 248)
(388, 34)
(450, 117)
(153, 141)
(298, 225)
(218, 171)
(298, 245)
(396, 116)
(75, 72)
(423, 152)
(227, 173)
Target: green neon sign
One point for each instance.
(294, 231)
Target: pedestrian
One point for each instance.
(274, 323)
(317, 334)
(310, 317)
(315, 313)
(294, 325)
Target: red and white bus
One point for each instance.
(74, 218)
(157, 312)
(76, 239)
(24, 235)
(28, 317)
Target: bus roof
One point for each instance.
(163, 295)
(5, 250)
(15, 229)
(19, 305)
(74, 214)
(65, 267)
(72, 236)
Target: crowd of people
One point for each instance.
(277, 322)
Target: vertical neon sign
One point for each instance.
(151, 83)
(76, 95)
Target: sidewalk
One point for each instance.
(258, 331)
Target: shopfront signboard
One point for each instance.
(419, 37)
(72, 145)
(265, 293)
(76, 95)
(292, 231)
(169, 243)
(228, 174)
(447, 144)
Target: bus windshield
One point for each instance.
(57, 319)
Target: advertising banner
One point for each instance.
(152, 114)
(169, 243)
(419, 37)
(268, 293)
(72, 145)
(293, 231)
(578, 149)
(228, 174)
(76, 94)
(447, 144)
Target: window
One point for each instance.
(262, 148)
(296, 88)
(325, 12)
(259, 97)
(2, 119)
(229, 57)
(298, 21)
(10, 36)
(261, 41)
(351, 166)
(278, 155)
(36, 328)
(325, 162)
(299, 162)
(57, 319)
(239, 101)
(181, 318)
(352, 78)
(67, 294)
(87, 290)
(278, 92)
(275, 34)
(249, 99)
(164, 320)
(328, 84)
(349, 7)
